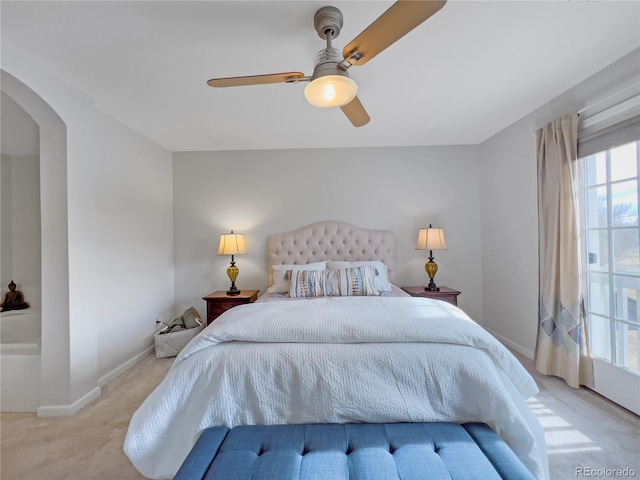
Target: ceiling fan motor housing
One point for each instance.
(328, 19)
(326, 62)
(329, 61)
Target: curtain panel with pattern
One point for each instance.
(562, 345)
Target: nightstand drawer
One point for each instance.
(219, 302)
(219, 308)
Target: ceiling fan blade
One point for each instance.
(256, 79)
(355, 112)
(402, 17)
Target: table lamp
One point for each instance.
(431, 239)
(232, 244)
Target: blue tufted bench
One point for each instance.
(352, 452)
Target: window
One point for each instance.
(611, 238)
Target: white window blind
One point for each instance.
(611, 122)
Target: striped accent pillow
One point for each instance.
(352, 281)
(306, 283)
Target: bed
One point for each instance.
(300, 356)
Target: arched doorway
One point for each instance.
(55, 381)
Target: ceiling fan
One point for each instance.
(330, 84)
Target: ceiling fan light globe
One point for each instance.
(331, 91)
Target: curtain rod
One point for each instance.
(634, 85)
(635, 91)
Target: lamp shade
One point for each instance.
(331, 91)
(431, 239)
(232, 244)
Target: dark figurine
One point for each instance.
(13, 299)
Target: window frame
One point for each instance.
(616, 350)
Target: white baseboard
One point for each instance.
(116, 372)
(514, 346)
(66, 410)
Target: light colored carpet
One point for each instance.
(581, 429)
(84, 446)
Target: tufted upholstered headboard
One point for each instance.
(332, 241)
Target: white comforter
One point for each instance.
(336, 360)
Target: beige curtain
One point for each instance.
(562, 345)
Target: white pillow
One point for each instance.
(351, 281)
(281, 278)
(381, 280)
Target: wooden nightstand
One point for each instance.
(219, 302)
(446, 294)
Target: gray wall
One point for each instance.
(20, 226)
(20, 205)
(510, 208)
(259, 193)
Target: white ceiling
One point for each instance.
(465, 74)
